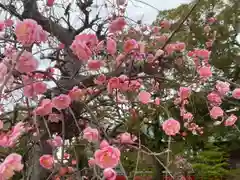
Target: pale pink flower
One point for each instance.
(46, 161)
(95, 64)
(26, 62)
(45, 108)
(230, 121)
(126, 138)
(171, 127)
(205, 72)
(109, 174)
(29, 32)
(91, 162)
(34, 89)
(55, 117)
(130, 45)
(90, 134)
(111, 46)
(113, 83)
(2, 25)
(100, 79)
(216, 112)
(62, 101)
(165, 24)
(236, 93)
(76, 94)
(117, 25)
(184, 92)
(8, 22)
(56, 141)
(214, 99)
(107, 157)
(144, 97)
(103, 144)
(50, 3)
(222, 87)
(10, 165)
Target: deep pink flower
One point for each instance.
(26, 62)
(100, 79)
(214, 99)
(62, 101)
(45, 108)
(130, 45)
(216, 112)
(95, 64)
(230, 121)
(46, 161)
(10, 165)
(113, 83)
(29, 32)
(117, 25)
(205, 72)
(109, 174)
(2, 25)
(144, 97)
(90, 134)
(184, 92)
(107, 157)
(50, 3)
(236, 93)
(111, 46)
(126, 138)
(171, 127)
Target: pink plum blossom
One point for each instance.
(117, 24)
(111, 46)
(45, 108)
(222, 87)
(126, 138)
(56, 141)
(230, 121)
(216, 112)
(205, 72)
(91, 134)
(26, 62)
(236, 93)
(109, 174)
(62, 101)
(46, 161)
(144, 97)
(171, 127)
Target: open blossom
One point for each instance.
(222, 87)
(144, 97)
(130, 45)
(109, 174)
(29, 32)
(111, 46)
(76, 94)
(56, 141)
(12, 164)
(126, 138)
(113, 83)
(26, 63)
(230, 121)
(216, 112)
(236, 93)
(107, 157)
(117, 25)
(214, 99)
(34, 89)
(46, 161)
(91, 134)
(45, 108)
(62, 101)
(95, 64)
(171, 127)
(100, 79)
(184, 92)
(205, 72)
(91, 162)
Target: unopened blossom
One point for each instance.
(26, 62)
(46, 161)
(144, 97)
(171, 127)
(29, 32)
(91, 134)
(11, 164)
(216, 112)
(45, 108)
(157, 101)
(107, 157)
(230, 121)
(117, 25)
(236, 93)
(62, 101)
(109, 174)
(126, 138)
(222, 87)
